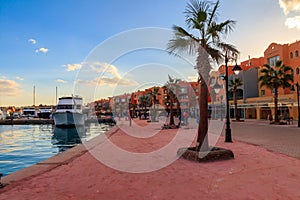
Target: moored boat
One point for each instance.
(29, 112)
(44, 112)
(69, 112)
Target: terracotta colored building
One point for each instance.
(256, 101)
(101, 105)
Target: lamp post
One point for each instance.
(236, 69)
(293, 89)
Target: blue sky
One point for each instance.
(47, 43)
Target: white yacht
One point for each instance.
(44, 112)
(29, 112)
(69, 112)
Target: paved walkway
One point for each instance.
(255, 173)
(279, 138)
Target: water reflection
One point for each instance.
(65, 138)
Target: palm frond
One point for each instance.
(226, 27)
(196, 10)
(183, 42)
(275, 77)
(213, 13)
(229, 49)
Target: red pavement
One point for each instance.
(255, 173)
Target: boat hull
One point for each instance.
(68, 119)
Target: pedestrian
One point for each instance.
(186, 117)
(270, 117)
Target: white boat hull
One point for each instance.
(68, 119)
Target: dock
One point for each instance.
(26, 121)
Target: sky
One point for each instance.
(98, 48)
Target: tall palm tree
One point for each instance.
(204, 41)
(172, 87)
(233, 86)
(275, 77)
(153, 93)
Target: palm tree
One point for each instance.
(144, 103)
(278, 76)
(153, 93)
(133, 106)
(172, 87)
(233, 86)
(201, 18)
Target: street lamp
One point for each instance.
(293, 89)
(236, 69)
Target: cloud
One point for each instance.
(9, 87)
(289, 5)
(32, 41)
(110, 76)
(105, 68)
(42, 49)
(19, 78)
(60, 81)
(293, 22)
(109, 81)
(73, 67)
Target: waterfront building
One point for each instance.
(101, 105)
(119, 104)
(254, 102)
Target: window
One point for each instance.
(78, 106)
(183, 90)
(273, 60)
(212, 81)
(297, 70)
(296, 53)
(263, 92)
(291, 55)
(184, 97)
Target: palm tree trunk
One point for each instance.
(172, 122)
(235, 106)
(276, 104)
(202, 139)
(154, 109)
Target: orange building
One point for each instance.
(260, 106)
(101, 105)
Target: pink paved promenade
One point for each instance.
(255, 173)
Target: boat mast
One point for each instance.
(33, 95)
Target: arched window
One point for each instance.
(297, 70)
(296, 53)
(291, 55)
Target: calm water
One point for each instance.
(25, 145)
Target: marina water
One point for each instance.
(25, 145)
